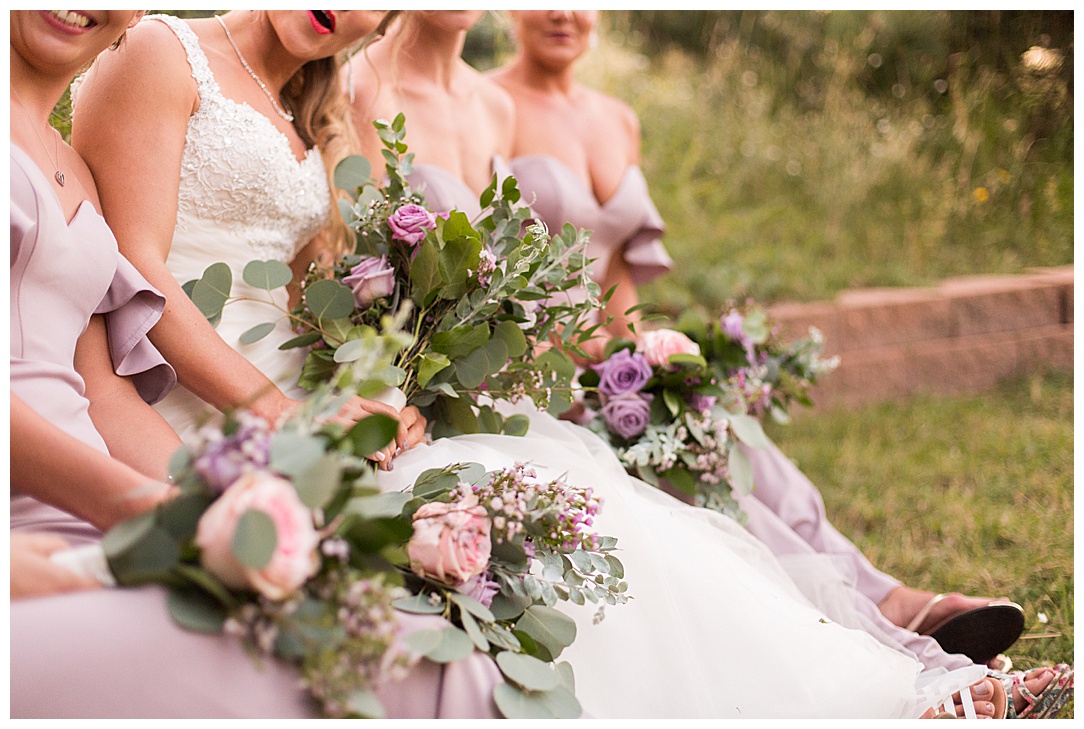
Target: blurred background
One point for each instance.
(795, 154)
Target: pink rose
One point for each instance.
(451, 541)
(370, 280)
(657, 346)
(410, 222)
(295, 558)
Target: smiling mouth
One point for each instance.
(72, 18)
(324, 19)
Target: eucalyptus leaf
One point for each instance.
(454, 645)
(180, 515)
(562, 702)
(517, 425)
(379, 506)
(419, 604)
(372, 433)
(515, 703)
(431, 364)
(255, 539)
(212, 289)
(256, 333)
(548, 626)
(747, 429)
(196, 611)
(351, 351)
(352, 172)
(470, 605)
(513, 337)
(328, 299)
(294, 453)
(741, 470)
(319, 482)
(527, 671)
(488, 359)
(267, 275)
(421, 642)
(474, 632)
(566, 674)
(500, 637)
(365, 704)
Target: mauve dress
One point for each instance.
(785, 510)
(116, 653)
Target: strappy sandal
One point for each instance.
(1000, 701)
(980, 633)
(1048, 703)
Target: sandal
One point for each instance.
(1048, 703)
(1000, 701)
(980, 633)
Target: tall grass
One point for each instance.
(779, 183)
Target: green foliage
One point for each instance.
(801, 153)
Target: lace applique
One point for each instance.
(239, 172)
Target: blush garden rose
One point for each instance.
(295, 558)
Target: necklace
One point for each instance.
(59, 176)
(263, 87)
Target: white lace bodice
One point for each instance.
(239, 173)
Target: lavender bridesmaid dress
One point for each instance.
(785, 510)
(61, 274)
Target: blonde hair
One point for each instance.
(322, 118)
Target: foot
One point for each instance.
(983, 694)
(904, 603)
(1036, 680)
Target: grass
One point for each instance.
(786, 180)
(972, 494)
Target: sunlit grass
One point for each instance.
(973, 494)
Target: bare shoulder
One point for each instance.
(150, 60)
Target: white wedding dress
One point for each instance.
(715, 628)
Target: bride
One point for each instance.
(715, 627)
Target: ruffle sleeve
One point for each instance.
(131, 307)
(643, 251)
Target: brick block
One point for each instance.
(872, 318)
(1046, 348)
(986, 304)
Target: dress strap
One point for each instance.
(197, 59)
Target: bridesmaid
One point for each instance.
(234, 121)
(459, 123)
(78, 309)
(76, 651)
(577, 154)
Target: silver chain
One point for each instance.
(270, 97)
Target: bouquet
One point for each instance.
(482, 299)
(753, 366)
(659, 406)
(282, 538)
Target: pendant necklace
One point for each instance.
(58, 175)
(270, 97)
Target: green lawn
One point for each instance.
(973, 494)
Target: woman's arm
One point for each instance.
(58, 469)
(131, 119)
(133, 431)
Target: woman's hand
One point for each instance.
(34, 574)
(411, 429)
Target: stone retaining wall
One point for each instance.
(960, 337)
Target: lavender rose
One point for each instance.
(627, 415)
(481, 588)
(370, 280)
(225, 458)
(410, 222)
(624, 372)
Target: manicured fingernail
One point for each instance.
(983, 689)
(379, 456)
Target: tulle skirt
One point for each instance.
(715, 627)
